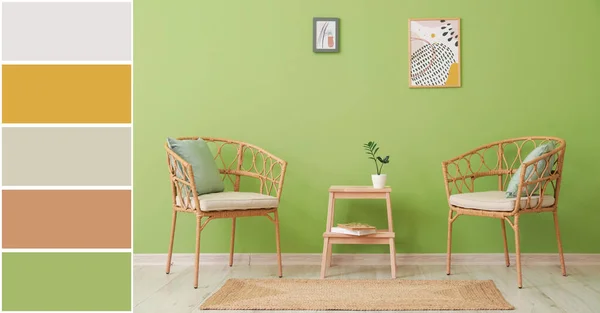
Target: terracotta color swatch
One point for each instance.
(66, 93)
(66, 219)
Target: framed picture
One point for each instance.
(326, 34)
(434, 53)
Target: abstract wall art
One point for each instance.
(326, 34)
(434, 53)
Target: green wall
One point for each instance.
(245, 70)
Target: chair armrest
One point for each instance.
(456, 184)
(264, 166)
(463, 170)
(535, 184)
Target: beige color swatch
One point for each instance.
(66, 156)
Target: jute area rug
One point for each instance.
(356, 295)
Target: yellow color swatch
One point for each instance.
(66, 93)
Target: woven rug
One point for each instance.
(356, 295)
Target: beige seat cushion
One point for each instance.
(494, 201)
(230, 201)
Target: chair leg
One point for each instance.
(232, 242)
(173, 222)
(197, 261)
(449, 248)
(560, 248)
(278, 242)
(506, 256)
(518, 252)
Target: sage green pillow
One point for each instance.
(197, 153)
(513, 185)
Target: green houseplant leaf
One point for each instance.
(371, 149)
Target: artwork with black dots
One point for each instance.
(434, 53)
(430, 64)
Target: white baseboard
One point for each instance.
(366, 259)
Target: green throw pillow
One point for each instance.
(513, 185)
(197, 153)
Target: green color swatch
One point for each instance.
(245, 70)
(66, 281)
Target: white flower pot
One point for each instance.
(379, 181)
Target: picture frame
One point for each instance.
(434, 59)
(326, 34)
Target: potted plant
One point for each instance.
(378, 179)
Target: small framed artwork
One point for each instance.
(434, 53)
(326, 34)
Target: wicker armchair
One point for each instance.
(498, 161)
(237, 161)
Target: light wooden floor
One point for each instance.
(544, 290)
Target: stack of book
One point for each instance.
(355, 229)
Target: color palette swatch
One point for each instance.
(77, 93)
(66, 281)
(66, 156)
(67, 218)
(66, 31)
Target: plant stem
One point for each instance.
(375, 159)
